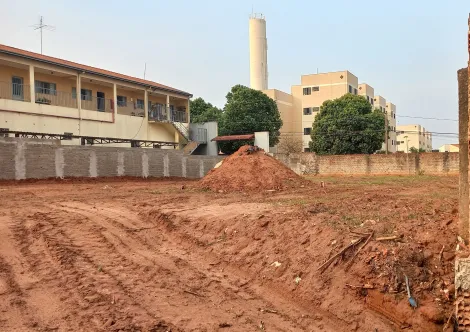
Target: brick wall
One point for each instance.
(39, 159)
(379, 164)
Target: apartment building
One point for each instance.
(43, 94)
(299, 109)
(413, 136)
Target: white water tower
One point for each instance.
(258, 53)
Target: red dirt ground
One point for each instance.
(245, 171)
(150, 256)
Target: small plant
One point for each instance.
(43, 100)
(421, 172)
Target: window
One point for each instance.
(394, 115)
(316, 109)
(85, 94)
(307, 91)
(307, 111)
(307, 131)
(121, 101)
(355, 91)
(140, 104)
(368, 99)
(392, 142)
(45, 88)
(371, 101)
(350, 89)
(398, 143)
(316, 88)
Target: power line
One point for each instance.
(424, 118)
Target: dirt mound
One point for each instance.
(248, 169)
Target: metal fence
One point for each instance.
(15, 91)
(97, 104)
(158, 112)
(131, 108)
(55, 98)
(178, 116)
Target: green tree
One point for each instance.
(201, 111)
(347, 125)
(246, 112)
(415, 150)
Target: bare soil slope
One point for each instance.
(149, 256)
(250, 171)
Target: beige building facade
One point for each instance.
(42, 94)
(449, 148)
(413, 136)
(299, 109)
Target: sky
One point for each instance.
(409, 51)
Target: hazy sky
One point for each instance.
(409, 51)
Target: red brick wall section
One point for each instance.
(435, 163)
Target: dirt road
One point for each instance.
(151, 256)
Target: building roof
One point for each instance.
(88, 69)
(234, 138)
(456, 145)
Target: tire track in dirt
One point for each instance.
(182, 248)
(88, 292)
(213, 288)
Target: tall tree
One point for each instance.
(347, 125)
(202, 111)
(246, 112)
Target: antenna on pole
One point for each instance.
(145, 69)
(41, 26)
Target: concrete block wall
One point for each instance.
(379, 164)
(40, 159)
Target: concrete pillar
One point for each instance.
(115, 99)
(168, 113)
(32, 84)
(462, 265)
(79, 98)
(146, 104)
(188, 112)
(462, 76)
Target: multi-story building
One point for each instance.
(413, 136)
(42, 94)
(299, 109)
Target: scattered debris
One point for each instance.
(297, 280)
(412, 301)
(357, 252)
(353, 243)
(365, 286)
(222, 325)
(276, 264)
(193, 293)
(388, 238)
(270, 311)
(440, 253)
(261, 326)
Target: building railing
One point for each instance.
(97, 104)
(15, 91)
(55, 98)
(178, 116)
(157, 112)
(131, 108)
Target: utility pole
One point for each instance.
(41, 26)
(406, 140)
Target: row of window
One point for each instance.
(352, 90)
(308, 91)
(310, 110)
